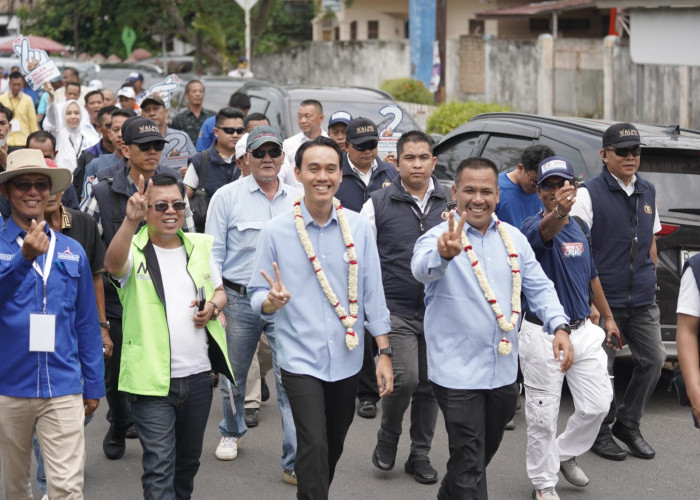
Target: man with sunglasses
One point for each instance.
(620, 208)
(518, 187)
(141, 146)
(216, 165)
(51, 361)
(237, 213)
(561, 247)
(364, 173)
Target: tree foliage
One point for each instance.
(94, 26)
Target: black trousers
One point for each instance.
(367, 389)
(323, 412)
(119, 414)
(475, 421)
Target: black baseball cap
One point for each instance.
(361, 130)
(138, 130)
(152, 98)
(621, 135)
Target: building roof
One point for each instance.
(537, 8)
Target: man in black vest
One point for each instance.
(413, 203)
(620, 208)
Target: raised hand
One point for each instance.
(566, 197)
(450, 242)
(36, 242)
(137, 206)
(278, 295)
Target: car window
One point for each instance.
(505, 151)
(260, 103)
(676, 177)
(447, 161)
(570, 153)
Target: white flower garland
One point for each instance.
(504, 346)
(348, 320)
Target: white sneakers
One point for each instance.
(545, 494)
(573, 473)
(227, 449)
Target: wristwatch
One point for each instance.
(216, 309)
(389, 351)
(104, 324)
(564, 327)
(559, 215)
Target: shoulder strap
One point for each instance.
(583, 227)
(203, 164)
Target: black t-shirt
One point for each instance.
(83, 229)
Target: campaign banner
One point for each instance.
(165, 88)
(37, 66)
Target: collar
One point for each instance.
(310, 220)
(471, 229)
(12, 230)
(431, 187)
(141, 239)
(372, 167)
(66, 218)
(253, 185)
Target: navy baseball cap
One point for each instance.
(339, 117)
(138, 130)
(361, 130)
(134, 76)
(554, 166)
(621, 135)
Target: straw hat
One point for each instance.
(31, 161)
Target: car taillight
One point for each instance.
(667, 229)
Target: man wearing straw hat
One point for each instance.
(51, 367)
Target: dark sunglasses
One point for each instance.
(233, 130)
(367, 146)
(260, 153)
(623, 152)
(25, 186)
(551, 186)
(157, 145)
(162, 206)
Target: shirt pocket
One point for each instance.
(249, 232)
(68, 272)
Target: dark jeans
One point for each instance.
(367, 383)
(171, 431)
(323, 412)
(641, 331)
(411, 385)
(475, 421)
(119, 414)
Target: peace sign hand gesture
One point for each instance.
(137, 206)
(278, 295)
(450, 242)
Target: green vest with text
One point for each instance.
(145, 362)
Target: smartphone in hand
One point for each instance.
(201, 298)
(615, 339)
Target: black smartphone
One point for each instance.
(615, 339)
(201, 298)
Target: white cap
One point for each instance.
(127, 92)
(240, 145)
(95, 85)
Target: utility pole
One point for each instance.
(440, 33)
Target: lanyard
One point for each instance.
(44, 273)
(80, 146)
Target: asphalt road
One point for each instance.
(256, 473)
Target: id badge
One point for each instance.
(14, 125)
(42, 332)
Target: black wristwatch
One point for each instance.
(564, 327)
(104, 324)
(389, 351)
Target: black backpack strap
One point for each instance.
(203, 167)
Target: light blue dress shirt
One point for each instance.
(310, 337)
(236, 215)
(461, 332)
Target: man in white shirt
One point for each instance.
(309, 119)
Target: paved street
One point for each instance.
(256, 472)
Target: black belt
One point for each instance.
(572, 324)
(240, 289)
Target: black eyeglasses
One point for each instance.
(623, 152)
(260, 153)
(25, 186)
(157, 145)
(162, 206)
(367, 146)
(551, 186)
(233, 130)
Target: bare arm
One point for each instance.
(653, 251)
(687, 339)
(601, 304)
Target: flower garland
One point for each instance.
(504, 346)
(348, 320)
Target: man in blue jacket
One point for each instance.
(51, 366)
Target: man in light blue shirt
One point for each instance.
(320, 352)
(237, 212)
(472, 353)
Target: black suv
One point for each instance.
(670, 160)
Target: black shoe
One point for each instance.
(421, 470)
(634, 440)
(606, 447)
(114, 443)
(251, 417)
(131, 432)
(367, 409)
(384, 456)
(264, 390)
